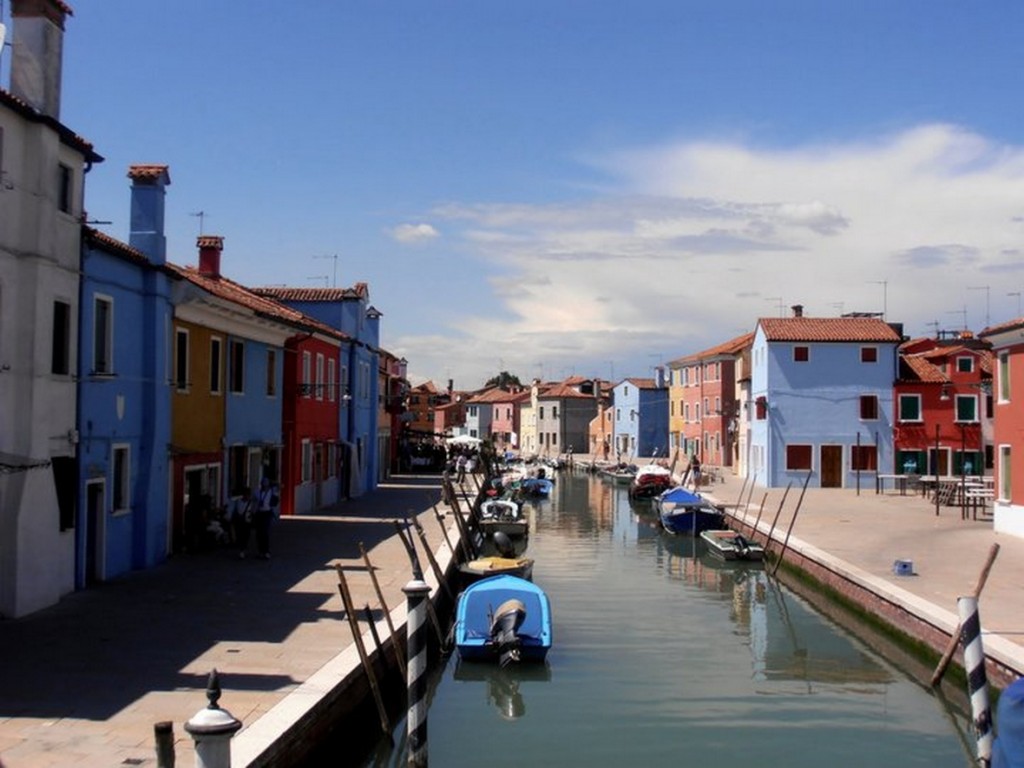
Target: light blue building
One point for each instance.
(640, 423)
(124, 391)
(348, 310)
(821, 400)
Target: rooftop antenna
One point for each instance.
(201, 215)
(334, 282)
(782, 307)
(962, 313)
(885, 295)
(319, 277)
(988, 294)
(839, 305)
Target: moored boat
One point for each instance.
(502, 516)
(650, 480)
(686, 513)
(493, 565)
(730, 545)
(505, 619)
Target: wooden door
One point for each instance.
(831, 466)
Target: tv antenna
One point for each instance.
(988, 295)
(319, 277)
(782, 307)
(962, 313)
(201, 215)
(334, 282)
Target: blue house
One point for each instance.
(348, 310)
(821, 400)
(640, 423)
(124, 391)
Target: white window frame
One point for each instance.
(120, 478)
(99, 367)
(1004, 376)
(217, 353)
(182, 382)
(1005, 476)
(920, 414)
(973, 399)
(307, 374)
(307, 460)
(319, 376)
(332, 379)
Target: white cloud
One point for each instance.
(414, 233)
(699, 239)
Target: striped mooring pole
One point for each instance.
(417, 593)
(977, 681)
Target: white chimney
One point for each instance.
(37, 41)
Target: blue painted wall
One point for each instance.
(130, 407)
(818, 403)
(252, 417)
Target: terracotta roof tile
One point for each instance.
(828, 329)
(918, 368)
(149, 171)
(731, 347)
(358, 291)
(115, 246)
(642, 383)
(229, 290)
(561, 391)
(1009, 325)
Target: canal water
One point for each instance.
(664, 656)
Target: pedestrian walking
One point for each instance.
(242, 521)
(266, 508)
(694, 471)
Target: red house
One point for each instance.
(1007, 341)
(310, 476)
(943, 407)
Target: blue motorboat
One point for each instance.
(505, 619)
(687, 513)
(536, 487)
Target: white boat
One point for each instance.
(502, 516)
(729, 545)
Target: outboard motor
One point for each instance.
(504, 625)
(503, 544)
(742, 545)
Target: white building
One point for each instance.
(42, 168)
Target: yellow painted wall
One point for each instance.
(198, 416)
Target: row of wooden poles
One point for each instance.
(463, 548)
(977, 690)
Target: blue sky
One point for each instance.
(574, 187)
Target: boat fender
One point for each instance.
(503, 544)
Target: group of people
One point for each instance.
(254, 513)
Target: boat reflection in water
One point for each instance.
(503, 684)
(788, 640)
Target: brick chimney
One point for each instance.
(37, 42)
(210, 247)
(798, 310)
(149, 184)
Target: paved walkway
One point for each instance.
(84, 682)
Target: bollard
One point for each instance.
(212, 728)
(417, 594)
(977, 682)
(164, 734)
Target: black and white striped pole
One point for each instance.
(977, 681)
(417, 593)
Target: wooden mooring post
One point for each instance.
(399, 654)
